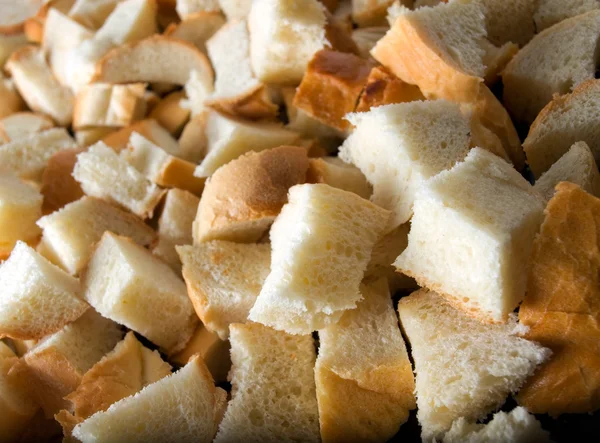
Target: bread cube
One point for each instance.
(71, 233)
(197, 28)
(235, 9)
(149, 129)
(384, 88)
(551, 12)
(397, 156)
(171, 113)
(334, 172)
(21, 124)
(11, 100)
(321, 244)
(130, 21)
(186, 7)
(92, 13)
(472, 234)
(88, 137)
(126, 283)
(59, 188)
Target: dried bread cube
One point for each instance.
(171, 114)
(182, 407)
(21, 124)
(243, 197)
(197, 28)
(235, 9)
(126, 283)
(223, 280)
(321, 244)
(273, 383)
(130, 21)
(149, 129)
(37, 298)
(103, 174)
(402, 156)
(187, 7)
(334, 172)
(551, 12)
(92, 13)
(59, 188)
(71, 233)
(463, 368)
(364, 358)
(10, 100)
(90, 136)
(384, 88)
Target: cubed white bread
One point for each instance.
(554, 62)
(58, 362)
(364, 354)
(228, 138)
(130, 21)
(90, 136)
(71, 233)
(103, 174)
(274, 396)
(321, 244)
(564, 121)
(223, 280)
(37, 85)
(149, 129)
(197, 28)
(510, 21)
(11, 101)
(397, 156)
(280, 52)
(577, 166)
(243, 197)
(81, 61)
(193, 142)
(472, 234)
(9, 44)
(58, 186)
(367, 38)
(102, 104)
(126, 283)
(237, 90)
(235, 9)
(16, 14)
(339, 174)
(171, 113)
(20, 208)
(372, 12)
(92, 13)
(551, 12)
(179, 408)
(463, 368)
(187, 7)
(22, 124)
(160, 167)
(516, 426)
(175, 226)
(27, 156)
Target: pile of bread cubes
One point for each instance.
(298, 220)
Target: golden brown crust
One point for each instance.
(254, 104)
(178, 173)
(34, 26)
(384, 88)
(58, 185)
(10, 100)
(118, 140)
(169, 113)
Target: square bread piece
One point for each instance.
(472, 234)
(334, 172)
(20, 208)
(70, 233)
(126, 283)
(59, 188)
(321, 244)
(273, 382)
(365, 382)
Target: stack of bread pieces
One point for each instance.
(299, 220)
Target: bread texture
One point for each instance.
(71, 233)
(187, 7)
(321, 243)
(235, 9)
(88, 137)
(273, 387)
(243, 197)
(92, 13)
(463, 368)
(21, 124)
(364, 355)
(149, 129)
(127, 284)
(334, 172)
(223, 280)
(562, 306)
(197, 28)
(193, 141)
(171, 114)
(59, 188)
(551, 12)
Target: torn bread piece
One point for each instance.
(92, 13)
(171, 113)
(334, 172)
(223, 280)
(129, 285)
(22, 124)
(551, 12)
(149, 129)
(463, 368)
(364, 357)
(59, 188)
(510, 21)
(181, 407)
(493, 215)
(243, 197)
(196, 28)
(321, 244)
(272, 374)
(103, 174)
(10, 100)
(71, 233)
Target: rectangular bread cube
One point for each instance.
(334, 172)
(171, 113)
(88, 137)
(130, 21)
(126, 283)
(21, 124)
(472, 234)
(149, 129)
(59, 188)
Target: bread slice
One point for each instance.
(235, 9)
(187, 7)
(321, 244)
(243, 197)
(390, 147)
(372, 13)
(228, 138)
(331, 86)
(71, 233)
(21, 124)
(364, 355)
(81, 61)
(223, 280)
(334, 172)
(103, 174)
(492, 214)
(59, 188)
(193, 141)
(554, 62)
(127, 284)
(175, 226)
(37, 85)
(197, 28)
(11, 101)
(149, 129)
(564, 121)
(92, 13)
(463, 368)
(561, 306)
(510, 21)
(171, 114)
(161, 168)
(60, 360)
(28, 156)
(181, 407)
(280, 52)
(273, 383)
(516, 426)
(551, 12)
(20, 208)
